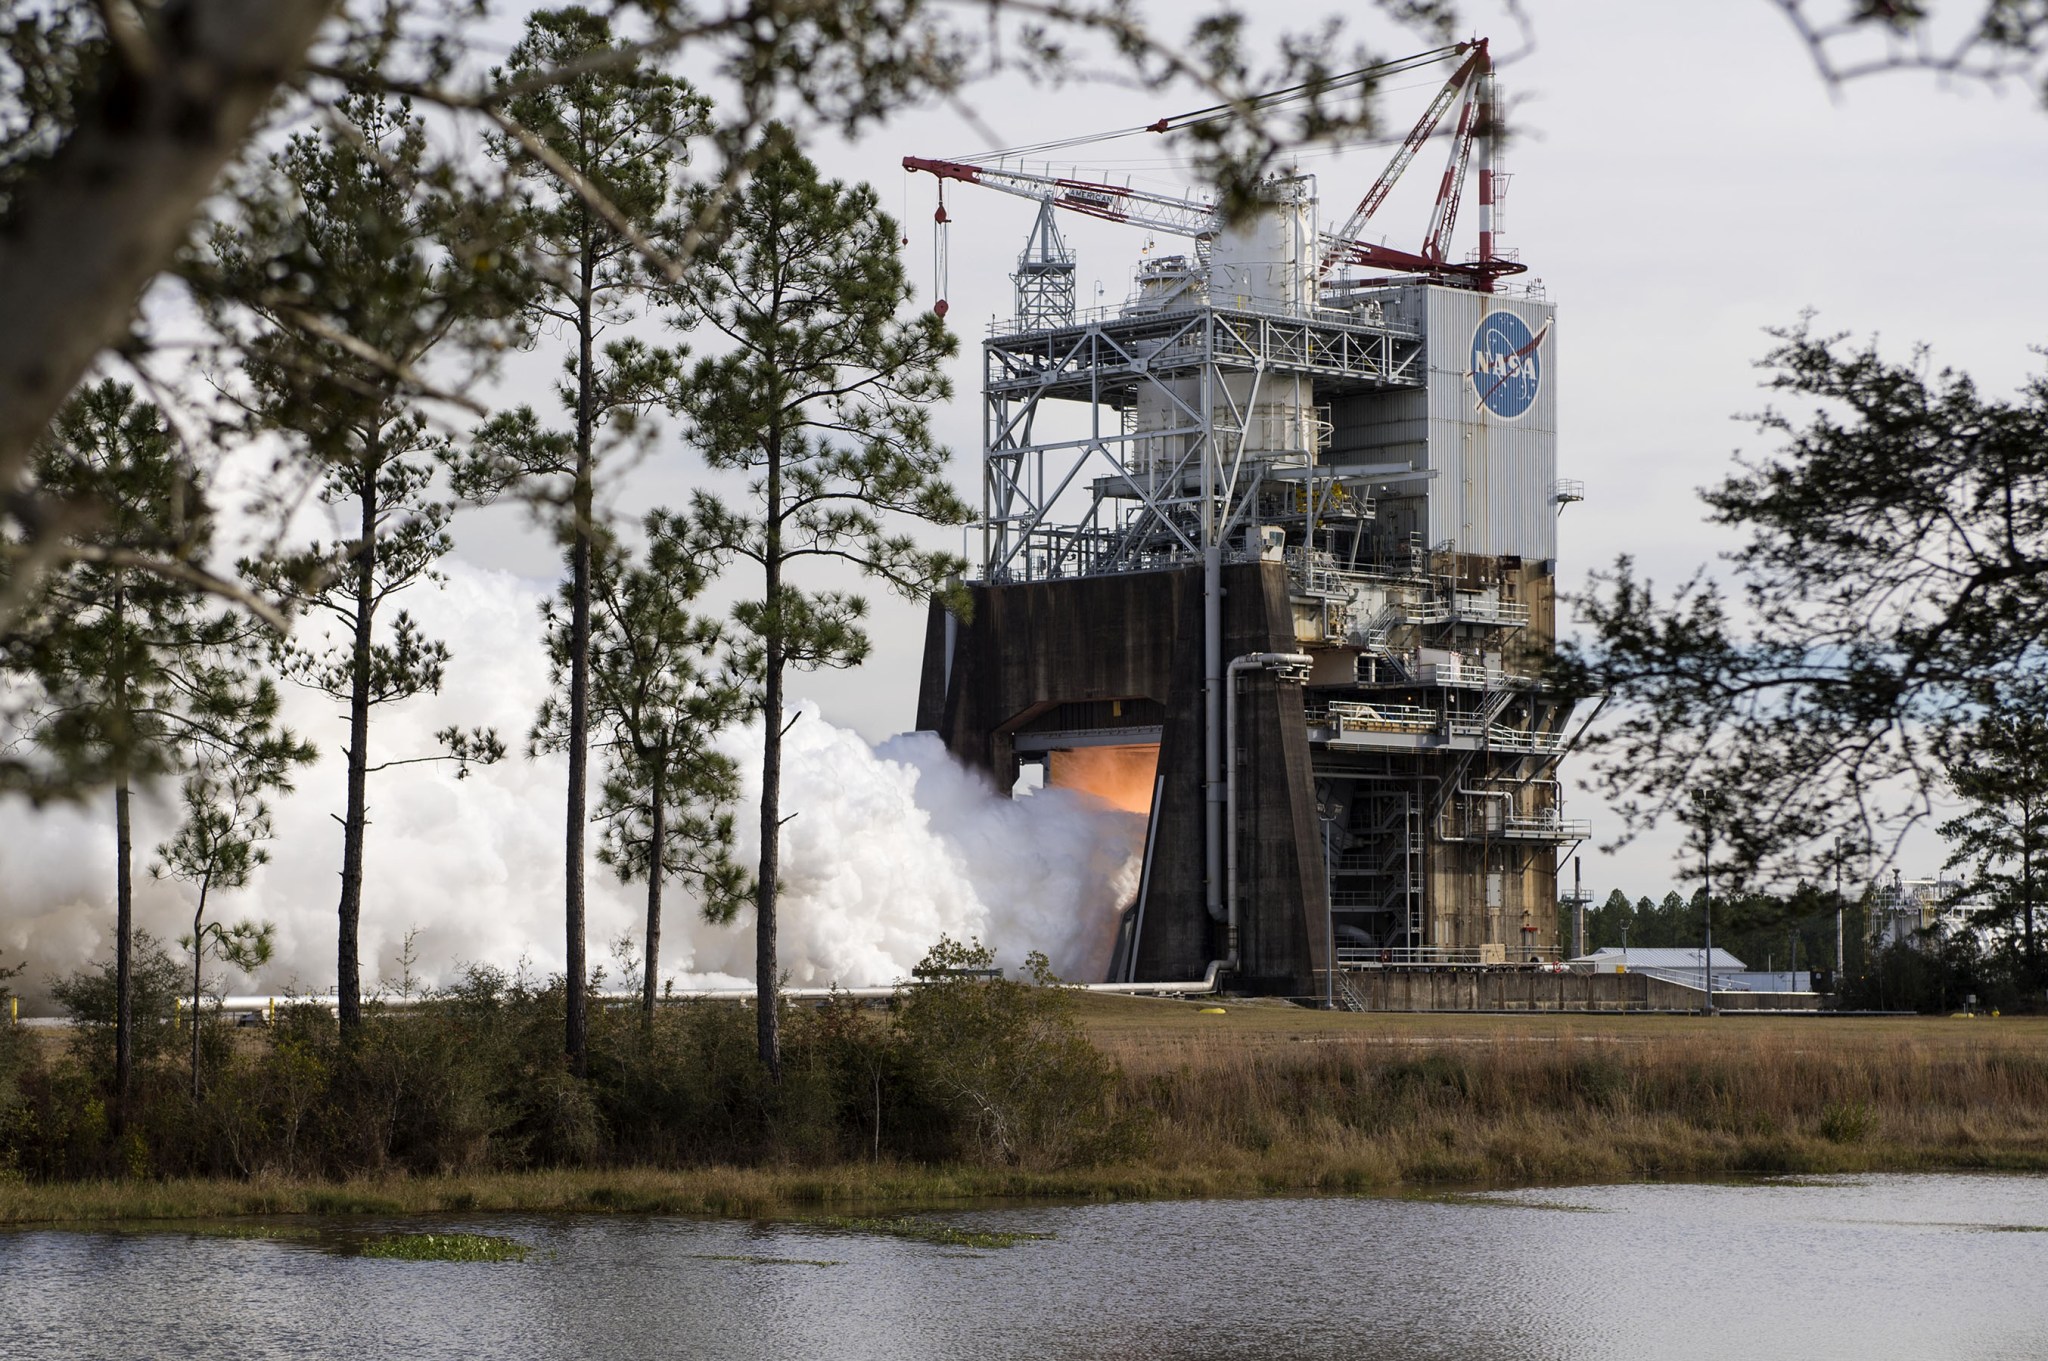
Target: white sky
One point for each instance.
(1682, 180)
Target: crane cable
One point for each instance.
(939, 234)
(1216, 113)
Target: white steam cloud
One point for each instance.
(889, 847)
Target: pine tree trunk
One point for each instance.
(124, 964)
(576, 1030)
(2027, 899)
(198, 957)
(766, 969)
(348, 984)
(656, 864)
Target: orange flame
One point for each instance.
(1120, 776)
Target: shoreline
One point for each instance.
(798, 1193)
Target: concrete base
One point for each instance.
(1520, 990)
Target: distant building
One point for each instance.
(1903, 909)
(1681, 965)
(1613, 958)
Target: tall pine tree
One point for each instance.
(379, 259)
(821, 395)
(658, 696)
(137, 676)
(623, 127)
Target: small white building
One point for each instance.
(1653, 959)
(1681, 965)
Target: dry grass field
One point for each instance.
(1280, 1096)
(1146, 1030)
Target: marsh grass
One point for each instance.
(444, 1247)
(927, 1231)
(1528, 1102)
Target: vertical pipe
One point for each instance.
(1212, 724)
(1329, 922)
(1488, 151)
(1229, 837)
(1212, 647)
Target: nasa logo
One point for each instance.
(1507, 366)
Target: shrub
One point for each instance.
(1007, 1060)
(157, 986)
(1847, 1122)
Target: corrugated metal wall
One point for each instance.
(1495, 479)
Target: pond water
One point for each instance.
(1865, 1267)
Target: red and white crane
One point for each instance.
(1470, 89)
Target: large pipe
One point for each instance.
(1250, 661)
(1212, 730)
(269, 1002)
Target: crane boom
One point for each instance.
(1111, 202)
(1451, 192)
(1424, 128)
(1469, 87)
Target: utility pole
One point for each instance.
(1841, 962)
(1707, 907)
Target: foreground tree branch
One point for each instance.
(117, 199)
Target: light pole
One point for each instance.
(1707, 906)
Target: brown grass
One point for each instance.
(1291, 1099)
(1273, 1099)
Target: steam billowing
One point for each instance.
(889, 848)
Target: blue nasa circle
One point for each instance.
(1507, 367)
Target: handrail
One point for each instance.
(1443, 956)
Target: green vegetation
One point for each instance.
(445, 1247)
(988, 1073)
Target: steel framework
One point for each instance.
(1088, 502)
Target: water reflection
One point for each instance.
(1910, 1267)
